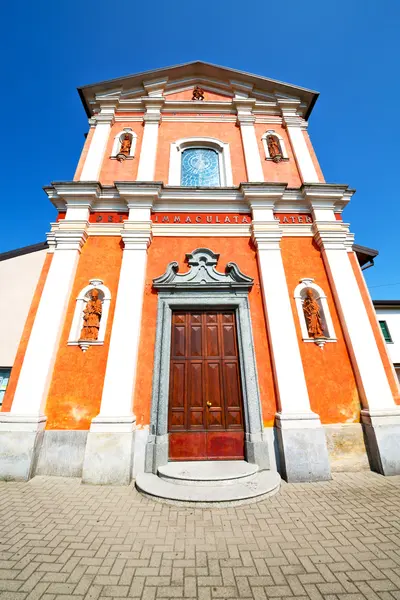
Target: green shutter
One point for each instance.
(385, 331)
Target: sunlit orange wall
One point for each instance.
(375, 326)
(77, 383)
(113, 170)
(84, 152)
(225, 132)
(19, 359)
(161, 252)
(188, 94)
(329, 375)
(284, 171)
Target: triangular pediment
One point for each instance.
(176, 84)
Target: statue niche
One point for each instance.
(198, 93)
(274, 148)
(312, 314)
(125, 147)
(92, 316)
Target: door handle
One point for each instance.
(209, 404)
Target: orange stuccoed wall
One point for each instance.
(284, 171)
(170, 132)
(329, 375)
(161, 252)
(77, 383)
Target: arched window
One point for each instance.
(200, 161)
(124, 144)
(274, 146)
(86, 295)
(313, 312)
(200, 167)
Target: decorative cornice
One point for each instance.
(202, 274)
(163, 197)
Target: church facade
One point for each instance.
(201, 298)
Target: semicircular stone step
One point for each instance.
(262, 484)
(207, 473)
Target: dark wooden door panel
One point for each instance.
(205, 404)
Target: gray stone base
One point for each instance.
(346, 447)
(62, 453)
(19, 451)
(256, 452)
(382, 435)
(156, 453)
(108, 458)
(303, 451)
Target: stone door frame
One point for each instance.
(189, 294)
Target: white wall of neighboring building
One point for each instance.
(391, 314)
(19, 276)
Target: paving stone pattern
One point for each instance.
(63, 540)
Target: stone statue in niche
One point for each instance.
(274, 148)
(125, 147)
(312, 313)
(198, 93)
(91, 317)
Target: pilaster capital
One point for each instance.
(139, 194)
(289, 110)
(155, 87)
(136, 235)
(330, 235)
(262, 195)
(244, 108)
(71, 238)
(266, 235)
(153, 106)
(105, 119)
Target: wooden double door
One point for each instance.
(205, 411)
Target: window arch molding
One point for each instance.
(281, 143)
(299, 293)
(77, 321)
(222, 149)
(118, 139)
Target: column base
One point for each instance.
(256, 451)
(302, 446)
(21, 437)
(382, 435)
(156, 454)
(109, 451)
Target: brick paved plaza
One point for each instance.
(60, 539)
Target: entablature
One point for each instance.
(160, 197)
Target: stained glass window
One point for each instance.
(200, 167)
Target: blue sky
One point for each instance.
(348, 50)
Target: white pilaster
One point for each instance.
(252, 156)
(148, 153)
(94, 158)
(302, 440)
(295, 126)
(110, 446)
(35, 376)
(381, 416)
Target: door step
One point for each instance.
(209, 482)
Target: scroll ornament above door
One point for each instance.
(203, 274)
